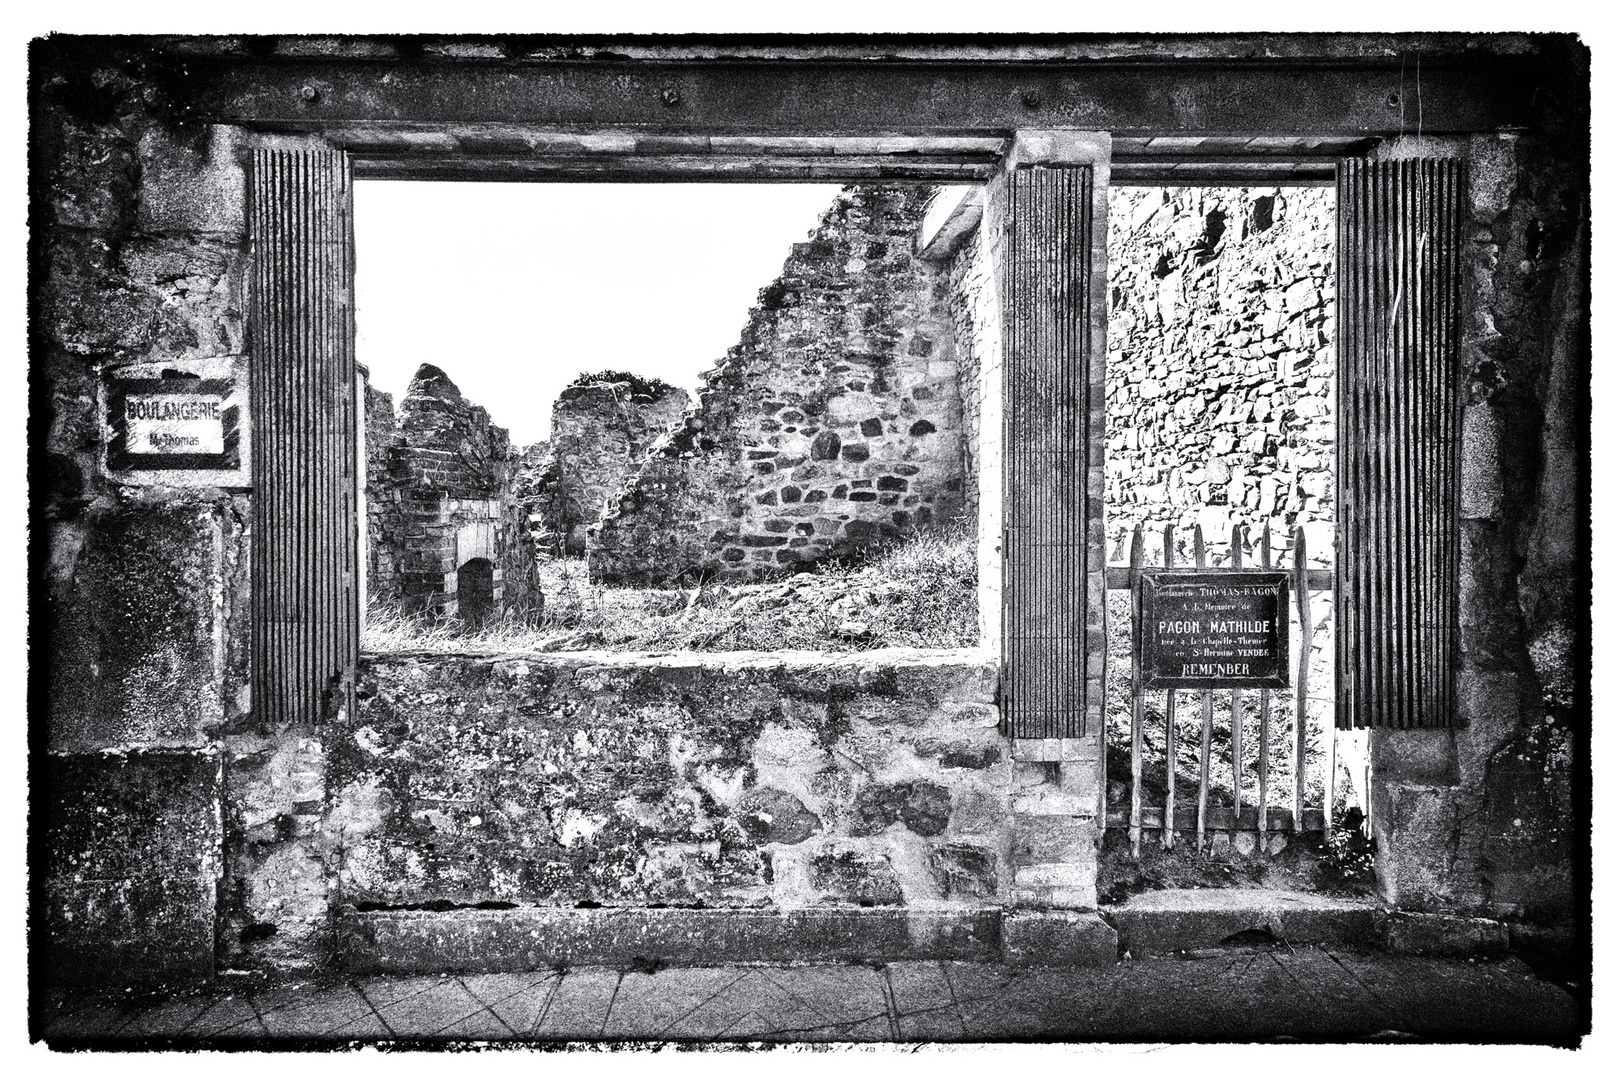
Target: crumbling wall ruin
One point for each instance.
(754, 780)
(440, 506)
(383, 522)
(602, 426)
(834, 423)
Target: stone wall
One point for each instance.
(833, 424)
(741, 780)
(976, 321)
(602, 426)
(384, 524)
(976, 326)
(1220, 365)
(138, 585)
(439, 494)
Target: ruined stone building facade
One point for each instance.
(1219, 389)
(446, 534)
(1220, 363)
(222, 781)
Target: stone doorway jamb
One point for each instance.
(1046, 230)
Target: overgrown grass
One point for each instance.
(919, 593)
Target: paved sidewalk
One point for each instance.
(1307, 993)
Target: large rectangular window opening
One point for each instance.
(666, 417)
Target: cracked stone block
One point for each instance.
(923, 806)
(129, 892)
(964, 870)
(137, 648)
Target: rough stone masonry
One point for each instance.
(602, 425)
(834, 422)
(1220, 364)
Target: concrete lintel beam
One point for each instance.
(1366, 96)
(951, 219)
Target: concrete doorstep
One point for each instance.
(1177, 920)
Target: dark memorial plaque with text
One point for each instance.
(1212, 629)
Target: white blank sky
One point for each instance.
(514, 289)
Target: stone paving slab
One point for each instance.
(750, 1008)
(1247, 994)
(580, 1005)
(847, 995)
(1052, 1004)
(318, 1013)
(655, 1003)
(1476, 1000)
(924, 1006)
(517, 999)
(429, 1013)
(1333, 1003)
(232, 1017)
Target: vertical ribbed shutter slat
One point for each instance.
(305, 606)
(1399, 417)
(1048, 351)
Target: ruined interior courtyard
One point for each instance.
(835, 655)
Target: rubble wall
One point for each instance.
(728, 780)
(1220, 364)
(834, 423)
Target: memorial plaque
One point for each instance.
(1212, 629)
(172, 424)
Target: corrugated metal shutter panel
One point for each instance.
(1399, 416)
(1052, 428)
(305, 609)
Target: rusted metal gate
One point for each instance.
(1263, 815)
